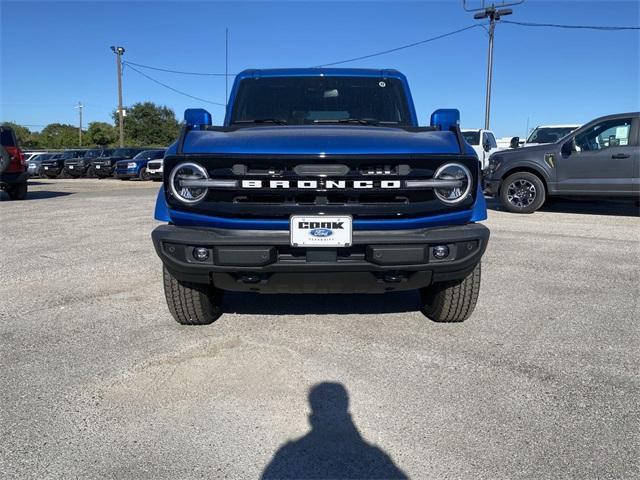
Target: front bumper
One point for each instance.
(492, 187)
(51, 170)
(263, 260)
(75, 170)
(103, 170)
(155, 174)
(125, 173)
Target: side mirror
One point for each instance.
(197, 117)
(567, 148)
(445, 118)
(515, 142)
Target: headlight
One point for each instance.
(453, 171)
(188, 171)
(131, 165)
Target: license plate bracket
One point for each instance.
(321, 230)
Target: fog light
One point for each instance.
(441, 252)
(201, 254)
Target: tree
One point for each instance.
(26, 138)
(101, 133)
(148, 124)
(59, 135)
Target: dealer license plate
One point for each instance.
(320, 231)
(46, 168)
(70, 167)
(98, 167)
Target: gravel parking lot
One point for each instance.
(98, 381)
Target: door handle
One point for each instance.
(620, 156)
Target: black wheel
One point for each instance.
(64, 174)
(452, 301)
(522, 192)
(144, 176)
(91, 172)
(49, 176)
(17, 192)
(192, 303)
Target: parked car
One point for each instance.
(601, 158)
(544, 134)
(34, 164)
(321, 181)
(137, 166)
(81, 166)
(13, 169)
(483, 142)
(155, 169)
(54, 167)
(105, 166)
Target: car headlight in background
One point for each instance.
(453, 171)
(131, 165)
(188, 171)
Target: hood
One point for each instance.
(526, 151)
(323, 139)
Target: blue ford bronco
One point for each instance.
(320, 181)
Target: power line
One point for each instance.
(555, 25)
(402, 47)
(204, 74)
(171, 88)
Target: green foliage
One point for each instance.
(147, 124)
(26, 138)
(59, 135)
(102, 134)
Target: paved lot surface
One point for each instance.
(98, 381)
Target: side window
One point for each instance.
(492, 140)
(611, 133)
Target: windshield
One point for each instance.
(70, 154)
(150, 154)
(122, 152)
(472, 138)
(309, 100)
(92, 153)
(549, 134)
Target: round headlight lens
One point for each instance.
(188, 171)
(453, 171)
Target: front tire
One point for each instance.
(453, 301)
(143, 176)
(191, 303)
(522, 192)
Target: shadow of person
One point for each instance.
(334, 448)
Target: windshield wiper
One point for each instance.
(275, 121)
(360, 121)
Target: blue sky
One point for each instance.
(54, 54)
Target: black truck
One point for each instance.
(54, 166)
(105, 166)
(82, 166)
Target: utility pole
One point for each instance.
(80, 107)
(493, 13)
(119, 51)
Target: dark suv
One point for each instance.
(106, 165)
(602, 158)
(54, 167)
(78, 167)
(13, 170)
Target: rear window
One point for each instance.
(7, 138)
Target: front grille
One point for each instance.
(309, 192)
(154, 165)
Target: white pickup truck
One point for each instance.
(483, 142)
